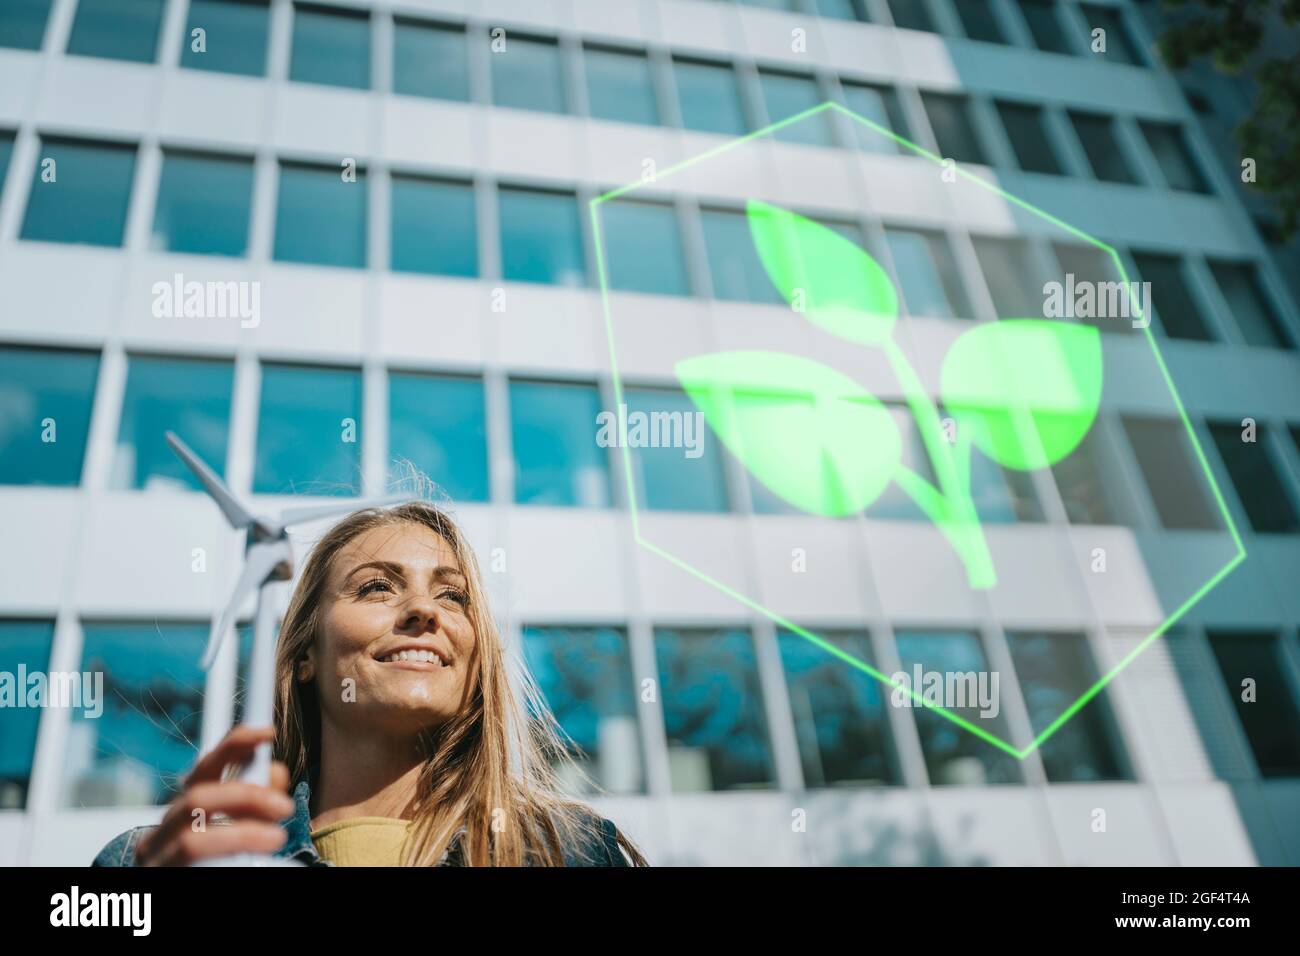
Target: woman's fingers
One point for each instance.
(191, 846)
(236, 747)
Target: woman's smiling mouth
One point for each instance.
(416, 659)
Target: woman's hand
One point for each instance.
(254, 810)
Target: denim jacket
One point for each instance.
(120, 851)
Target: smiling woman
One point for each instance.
(397, 729)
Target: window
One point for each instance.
(1175, 306)
(6, 149)
(1119, 45)
(1055, 670)
(116, 29)
(23, 644)
(1169, 146)
(839, 713)
(737, 271)
(880, 105)
(1250, 465)
(320, 217)
(980, 21)
(235, 36)
(138, 750)
(434, 227)
(643, 247)
(22, 23)
(709, 97)
(713, 710)
(1097, 288)
(1025, 128)
(528, 75)
(541, 237)
(585, 674)
(1097, 137)
(953, 131)
(894, 504)
(911, 15)
(1043, 20)
(953, 755)
(430, 60)
(1171, 473)
(45, 402)
(87, 202)
(1250, 307)
(678, 465)
(204, 204)
(331, 45)
(1083, 480)
(786, 95)
(308, 431)
(1001, 495)
(557, 460)
(843, 9)
(1008, 272)
(188, 396)
(620, 86)
(770, 4)
(927, 278)
(438, 422)
(1270, 718)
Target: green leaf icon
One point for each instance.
(840, 288)
(813, 436)
(1002, 378)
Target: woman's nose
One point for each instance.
(419, 612)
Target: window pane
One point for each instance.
(619, 86)
(643, 248)
(308, 431)
(6, 150)
(1045, 25)
(23, 644)
(1029, 139)
(911, 14)
(879, 105)
(22, 23)
(585, 674)
(1175, 306)
(117, 29)
(541, 237)
(843, 9)
(1262, 491)
(1165, 456)
(188, 396)
(1097, 137)
(1055, 670)
(434, 225)
(139, 749)
(87, 202)
(557, 460)
(927, 274)
(954, 661)
(1169, 147)
(894, 504)
(953, 131)
(1002, 496)
(1252, 310)
(1007, 269)
(709, 97)
(236, 36)
(713, 710)
(785, 96)
(528, 75)
(979, 20)
(1271, 719)
(1119, 46)
(45, 401)
(438, 422)
(320, 218)
(430, 60)
(330, 46)
(839, 712)
(676, 463)
(204, 204)
(1092, 270)
(1080, 478)
(738, 273)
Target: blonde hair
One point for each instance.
(491, 769)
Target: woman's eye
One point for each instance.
(460, 597)
(372, 586)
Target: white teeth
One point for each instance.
(414, 655)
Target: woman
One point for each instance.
(395, 725)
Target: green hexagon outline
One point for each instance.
(825, 645)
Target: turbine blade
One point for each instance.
(291, 516)
(238, 516)
(258, 565)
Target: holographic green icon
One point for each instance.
(1024, 392)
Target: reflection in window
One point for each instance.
(1271, 718)
(308, 431)
(88, 201)
(980, 20)
(438, 423)
(1119, 45)
(709, 97)
(45, 401)
(1171, 294)
(1171, 473)
(23, 643)
(553, 430)
(684, 473)
(188, 396)
(786, 95)
(879, 105)
(1081, 480)
(643, 247)
(737, 271)
(1009, 274)
(839, 712)
(528, 75)
(953, 130)
(911, 14)
(1096, 134)
(953, 755)
(1001, 495)
(116, 29)
(1249, 306)
(22, 23)
(713, 710)
(434, 227)
(1169, 146)
(139, 749)
(1043, 19)
(620, 86)
(585, 675)
(1055, 670)
(331, 45)
(1026, 129)
(235, 36)
(203, 204)
(1262, 492)
(430, 60)
(927, 277)
(320, 217)
(541, 237)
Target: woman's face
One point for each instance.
(396, 623)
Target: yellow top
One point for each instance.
(362, 841)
